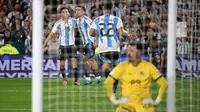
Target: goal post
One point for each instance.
(171, 55)
(37, 54)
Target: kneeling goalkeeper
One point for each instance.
(135, 76)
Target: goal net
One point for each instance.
(143, 20)
(187, 63)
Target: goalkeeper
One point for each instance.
(135, 76)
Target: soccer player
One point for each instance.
(83, 24)
(65, 27)
(135, 76)
(108, 28)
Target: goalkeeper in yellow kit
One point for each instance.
(135, 76)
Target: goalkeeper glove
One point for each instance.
(148, 101)
(120, 101)
(157, 101)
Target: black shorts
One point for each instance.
(65, 51)
(87, 50)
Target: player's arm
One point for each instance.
(48, 38)
(108, 84)
(53, 31)
(158, 77)
(123, 33)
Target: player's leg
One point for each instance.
(62, 64)
(94, 66)
(71, 51)
(86, 71)
(90, 52)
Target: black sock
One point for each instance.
(62, 71)
(76, 74)
(86, 73)
(96, 73)
(106, 73)
(115, 86)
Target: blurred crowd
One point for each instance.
(145, 20)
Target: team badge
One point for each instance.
(142, 74)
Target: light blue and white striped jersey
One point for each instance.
(66, 31)
(107, 27)
(83, 25)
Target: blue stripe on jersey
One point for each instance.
(67, 29)
(86, 27)
(90, 47)
(83, 36)
(59, 27)
(98, 29)
(115, 30)
(106, 21)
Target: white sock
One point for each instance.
(88, 78)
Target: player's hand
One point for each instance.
(157, 101)
(147, 101)
(120, 101)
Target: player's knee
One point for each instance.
(94, 64)
(74, 62)
(106, 66)
(62, 64)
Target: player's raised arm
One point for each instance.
(162, 83)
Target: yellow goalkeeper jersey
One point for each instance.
(135, 81)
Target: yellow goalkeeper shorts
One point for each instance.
(136, 108)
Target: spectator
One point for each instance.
(8, 48)
(28, 41)
(2, 32)
(19, 42)
(5, 20)
(17, 7)
(156, 54)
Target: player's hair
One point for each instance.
(81, 6)
(62, 8)
(138, 45)
(107, 4)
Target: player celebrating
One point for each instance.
(83, 24)
(65, 27)
(135, 76)
(108, 28)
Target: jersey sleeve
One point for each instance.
(55, 27)
(117, 71)
(119, 23)
(94, 24)
(155, 73)
(75, 22)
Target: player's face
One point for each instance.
(133, 53)
(64, 13)
(79, 12)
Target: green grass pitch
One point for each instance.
(15, 96)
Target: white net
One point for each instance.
(144, 20)
(187, 90)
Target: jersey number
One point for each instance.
(108, 33)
